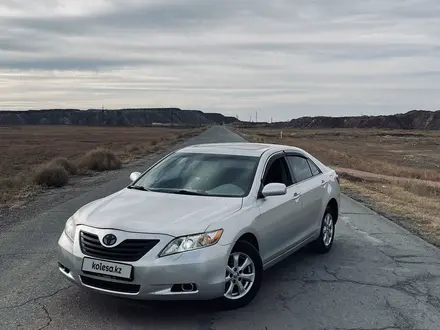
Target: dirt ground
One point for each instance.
(24, 148)
(395, 172)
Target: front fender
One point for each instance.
(236, 225)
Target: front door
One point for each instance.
(276, 223)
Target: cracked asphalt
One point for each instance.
(377, 276)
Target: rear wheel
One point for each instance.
(243, 276)
(324, 242)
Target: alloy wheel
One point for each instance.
(240, 275)
(327, 229)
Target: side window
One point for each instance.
(278, 172)
(315, 169)
(300, 167)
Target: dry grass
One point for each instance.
(417, 208)
(51, 175)
(16, 190)
(422, 190)
(69, 166)
(26, 148)
(414, 154)
(399, 171)
(100, 159)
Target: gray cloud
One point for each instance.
(8, 44)
(280, 57)
(80, 64)
(155, 17)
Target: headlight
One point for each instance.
(191, 242)
(69, 229)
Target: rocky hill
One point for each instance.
(416, 119)
(121, 117)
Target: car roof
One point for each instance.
(236, 148)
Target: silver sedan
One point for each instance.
(203, 223)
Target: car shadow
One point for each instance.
(185, 311)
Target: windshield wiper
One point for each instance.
(138, 188)
(185, 192)
(170, 191)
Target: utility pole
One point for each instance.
(256, 116)
(271, 119)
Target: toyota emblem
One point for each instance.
(109, 239)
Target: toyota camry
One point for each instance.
(203, 222)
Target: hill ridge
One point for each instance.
(117, 117)
(414, 119)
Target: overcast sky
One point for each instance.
(282, 58)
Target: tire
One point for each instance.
(243, 250)
(322, 243)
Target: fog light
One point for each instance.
(184, 287)
(64, 268)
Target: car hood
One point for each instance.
(153, 212)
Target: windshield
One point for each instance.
(201, 174)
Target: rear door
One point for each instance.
(310, 185)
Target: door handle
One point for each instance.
(323, 182)
(296, 196)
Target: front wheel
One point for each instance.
(243, 276)
(324, 242)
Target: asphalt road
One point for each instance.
(377, 276)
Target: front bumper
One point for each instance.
(153, 277)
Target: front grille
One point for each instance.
(128, 250)
(112, 286)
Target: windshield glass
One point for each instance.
(204, 174)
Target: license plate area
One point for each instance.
(107, 269)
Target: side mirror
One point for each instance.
(274, 189)
(134, 176)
